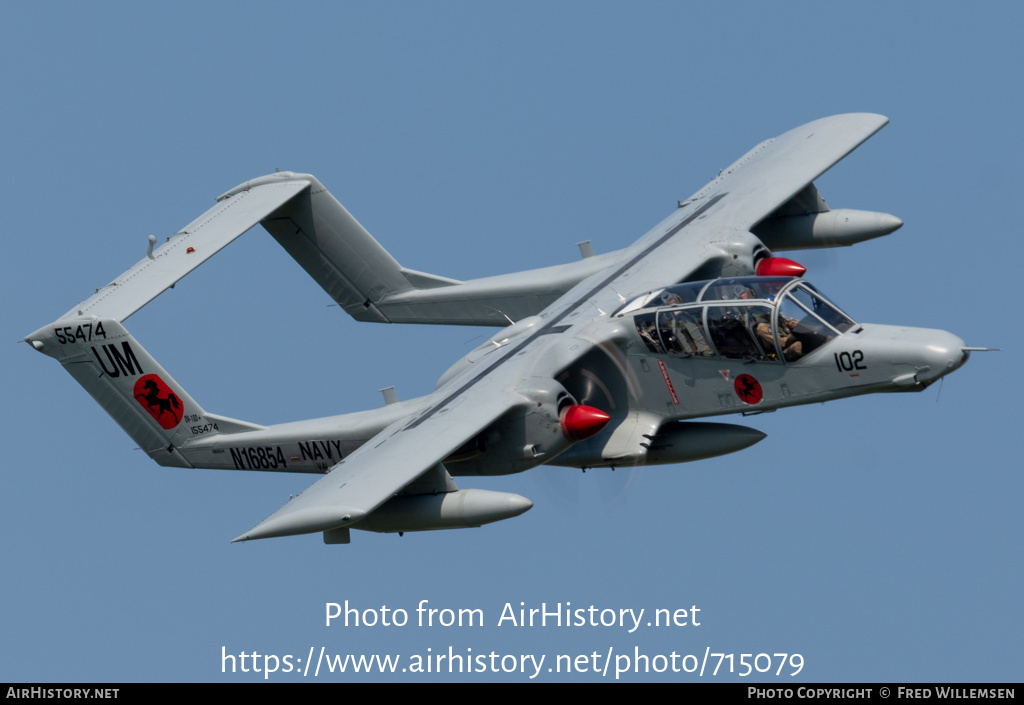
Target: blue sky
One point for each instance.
(877, 537)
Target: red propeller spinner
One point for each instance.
(779, 267)
(580, 422)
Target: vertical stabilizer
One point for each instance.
(130, 385)
(343, 258)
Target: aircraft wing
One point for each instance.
(369, 284)
(777, 169)
(686, 244)
(380, 469)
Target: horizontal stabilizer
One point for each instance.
(187, 249)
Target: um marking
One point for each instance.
(122, 362)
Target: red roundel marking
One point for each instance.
(158, 399)
(748, 389)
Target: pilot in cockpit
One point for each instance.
(649, 334)
(792, 347)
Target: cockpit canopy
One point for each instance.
(746, 318)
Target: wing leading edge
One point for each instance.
(778, 169)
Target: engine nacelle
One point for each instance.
(837, 228)
(451, 510)
(546, 424)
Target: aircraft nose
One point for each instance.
(933, 353)
(945, 353)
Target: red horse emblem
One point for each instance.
(158, 399)
(748, 389)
